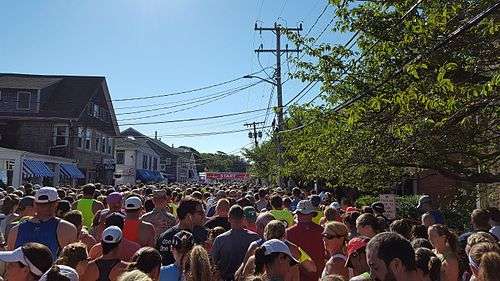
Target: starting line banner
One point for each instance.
(224, 176)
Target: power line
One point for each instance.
(317, 19)
(211, 97)
(195, 119)
(192, 90)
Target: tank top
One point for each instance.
(131, 230)
(43, 232)
(105, 267)
(85, 206)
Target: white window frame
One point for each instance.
(95, 110)
(109, 147)
(104, 144)
(29, 100)
(88, 138)
(65, 135)
(97, 142)
(81, 138)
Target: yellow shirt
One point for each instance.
(283, 215)
(318, 217)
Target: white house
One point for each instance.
(136, 162)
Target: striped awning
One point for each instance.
(71, 171)
(36, 168)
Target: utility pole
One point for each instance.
(278, 30)
(255, 134)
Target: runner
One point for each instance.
(335, 240)
(387, 249)
(27, 263)
(279, 212)
(221, 216)
(229, 248)
(191, 215)
(147, 260)
(425, 206)
(134, 229)
(160, 217)
(75, 256)
(126, 249)
(75, 217)
(109, 266)
(44, 227)
(428, 265)
(356, 259)
(446, 248)
(250, 218)
(368, 225)
(114, 201)
(308, 236)
(88, 205)
(273, 259)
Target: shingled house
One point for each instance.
(63, 116)
(176, 164)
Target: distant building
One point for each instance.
(176, 164)
(63, 116)
(136, 162)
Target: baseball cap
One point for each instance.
(250, 213)
(335, 205)
(133, 203)
(112, 234)
(114, 198)
(305, 207)
(354, 245)
(26, 201)
(46, 194)
(378, 207)
(423, 200)
(182, 239)
(278, 246)
(350, 209)
(18, 256)
(65, 271)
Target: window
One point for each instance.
(103, 144)
(168, 161)
(80, 137)
(61, 135)
(155, 164)
(95, 110)
(110, 145)
(9, 165)
(120, 157)
(97, 142)
(88, 139)
(144, 161)
(23, 100)
(150, 162)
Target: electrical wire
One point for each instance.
(317, 19)
(192, 90)
(211, 98)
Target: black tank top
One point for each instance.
(104, 267)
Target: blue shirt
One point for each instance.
(170, 273)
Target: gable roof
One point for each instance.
(155, 144)
(64, 96)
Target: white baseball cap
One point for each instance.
(46, 194)
(133, 203)
(278, 246)
(18, 256)
(335, 205)
(65, 271)
(112, 234)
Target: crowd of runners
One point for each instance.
(200, 232)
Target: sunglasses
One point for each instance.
(330, 236)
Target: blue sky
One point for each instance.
(150, 47)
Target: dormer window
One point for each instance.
(23, 100)
(61, 135)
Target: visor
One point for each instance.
(18, 256)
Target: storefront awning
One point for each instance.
(71, 171)
(148, 176)
(36, 168)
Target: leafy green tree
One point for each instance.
(402, 100)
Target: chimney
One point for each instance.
(172, 145)
(156, 135)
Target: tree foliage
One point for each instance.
(221, 162)
(416, 106)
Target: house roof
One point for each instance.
(64, 96)
(24, 82)
(155, 144)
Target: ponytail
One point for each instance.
(199, 265)
(451, 237)
(260, 260)
(434, 269)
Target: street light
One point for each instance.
(260, 78)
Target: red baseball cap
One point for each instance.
(350, 209)
(354, 245)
